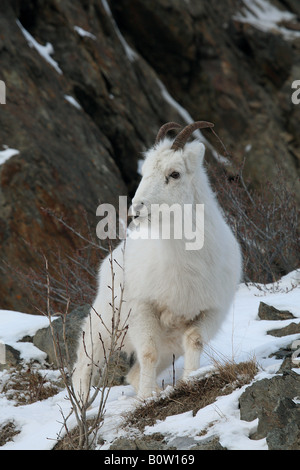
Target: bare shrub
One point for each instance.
(85, 435)
(69, 281)
(265, 221)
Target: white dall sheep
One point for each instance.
(177, 298)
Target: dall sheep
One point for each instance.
(177, 298)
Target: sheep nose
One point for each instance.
(136, 209)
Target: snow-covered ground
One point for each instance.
(242, 336)
(265, 16)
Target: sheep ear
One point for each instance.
(193, 155)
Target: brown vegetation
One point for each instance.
(265, 222)
(7, 432)
(194, 394)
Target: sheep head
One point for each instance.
(170, 167)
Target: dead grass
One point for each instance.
(194, 394)
(7, 432)
(26, 386)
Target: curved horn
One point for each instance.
(183, 136)
(166, 128)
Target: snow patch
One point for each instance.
(15, 325)
(130, 53)
(7, 153)
(44, 51)
(84, 33)
(72, 101)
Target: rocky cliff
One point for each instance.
(88, 83)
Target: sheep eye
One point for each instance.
(175, 175)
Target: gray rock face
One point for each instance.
(268, 312)
(43, 338)
(271, 401)
(283, 432)
(275, 401)
(264, 394)
(291, 329)
(12, 357)
(232, 73)
(71, 158)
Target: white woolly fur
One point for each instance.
(177, 298)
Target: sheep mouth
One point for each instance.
(137, 214)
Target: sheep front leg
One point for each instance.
(145, 336)
(192, 345)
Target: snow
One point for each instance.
(72, 101)
(15, 325)
(44, 51)
(7, 153)
(84, 33)
(242, 336)
(130, 53)
(38, 421)
(265, 16)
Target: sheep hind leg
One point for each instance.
(193, 346)
(143, 379)
(133, 376)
